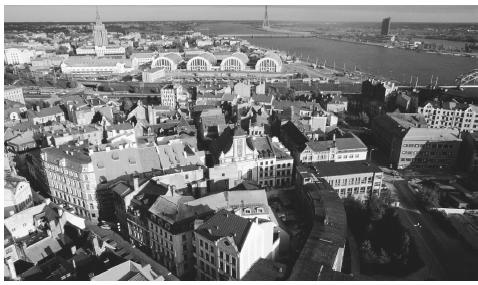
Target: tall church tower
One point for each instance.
(99, 32)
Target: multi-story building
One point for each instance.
(339, 150)
(429, 148)
(168, 96)
(257, 158)
(386, 26)
(101, 50)
(75, 171)
(14, 94)
(100, 35)
(227, 245)
(388, 131)
(139, 59)
(452, 115)
(358, 179)
(171, 226)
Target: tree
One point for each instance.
(428, 197)
(62, 50)
(375, 208)
(127, 105)
(129, 51)
(97, 117)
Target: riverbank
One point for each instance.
(402, 48)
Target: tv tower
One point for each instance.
(265, 22)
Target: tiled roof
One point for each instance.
(226, 224)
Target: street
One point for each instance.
(445, 257)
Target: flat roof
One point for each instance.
(343, 168)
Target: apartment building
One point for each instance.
(171, 225)
(452, 115)
(227, 245)
(257, 158)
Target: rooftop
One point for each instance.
(226, 224)
(325, 169)
(432, 134)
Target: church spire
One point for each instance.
(98, 20)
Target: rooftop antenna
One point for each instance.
(265, 22)
(436, 82)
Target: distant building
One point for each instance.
(16, 56)
(45, 115)
(167, 61)
(92, 66)
(271, 62)
(386, 26)
(202, 62)
(227, 245)
(152, 75)
(100, 35)
(14, 94)
(169, 97)
(236, 62)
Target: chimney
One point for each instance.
(135, 183)
(47, 201)
(73, 250)
(11, 213)
(292, 115)
(11, 267)
(37, 108)
(60, 212)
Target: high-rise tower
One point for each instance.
(99, 32)
(265, 22)
(386, 26)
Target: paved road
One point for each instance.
(445, 257)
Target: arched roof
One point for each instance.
(174, 57)
(241, 56)
(209, 57)
(273, 56)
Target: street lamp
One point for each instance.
(371, 151)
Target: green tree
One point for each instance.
(97, 118)
(375, 208)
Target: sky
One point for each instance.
(86, 13)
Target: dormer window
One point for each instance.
(260, 210)
(247, 211)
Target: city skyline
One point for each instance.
(352, 13)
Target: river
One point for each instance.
(397, 64)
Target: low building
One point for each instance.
(14, 94)
(338, 103)
(227, 245)
(167, 61)
(92, 66)
(338, 150)
(270, 62)
(45, 115)
(152, 75)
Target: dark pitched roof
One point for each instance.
(226, 224)
(343, 168)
